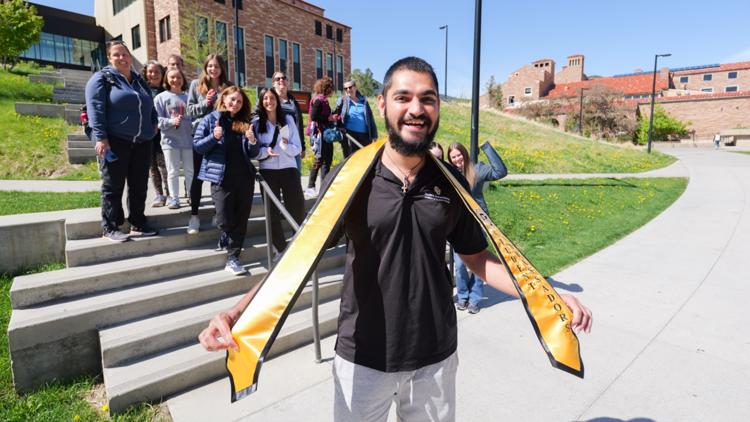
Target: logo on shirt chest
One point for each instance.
(435, 194)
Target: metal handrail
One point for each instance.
(269, 197)
(351, 139)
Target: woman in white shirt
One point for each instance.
(279, 146)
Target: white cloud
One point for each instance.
(739, 57)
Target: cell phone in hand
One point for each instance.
(110, 156)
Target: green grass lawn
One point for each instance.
(558, 222)
(15, 202)
(742, 152)
(55, 402)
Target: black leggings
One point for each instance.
(196, 189)
(132, 164)
(324, 162)
(233, 201)
(284, 183)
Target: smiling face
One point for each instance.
(457, 159)
(153, 74)
(213, 69)
(174, 63)
(411, 107)
(174, 79)
(280, 83)
(233, 103)
(120, 58)
(269, 102)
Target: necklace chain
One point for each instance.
(404, 175)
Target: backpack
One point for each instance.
(312, 128)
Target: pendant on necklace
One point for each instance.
(405, 187)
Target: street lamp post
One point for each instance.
(580, 114)
(653, 95)
(475, 81)
(445, 84)
(237, 41)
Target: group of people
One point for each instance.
(159, 123)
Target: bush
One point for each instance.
(665, 127)
(19, 88)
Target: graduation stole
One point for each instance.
(260, 323)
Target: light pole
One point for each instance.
(580, 114)
(475, 81)
(237, 42)
(445, 84)
(653, 94)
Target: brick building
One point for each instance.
(290, 35)
(711, 97)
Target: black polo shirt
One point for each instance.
(397, 309)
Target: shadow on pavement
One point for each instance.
(608, 419)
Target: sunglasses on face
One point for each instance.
(348, 87)
(280, 78)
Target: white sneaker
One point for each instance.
(194, 225)
(310, 192)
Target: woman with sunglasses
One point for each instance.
(291, 108)
(123, 122)
(356, 116)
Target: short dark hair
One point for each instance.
(412, 63)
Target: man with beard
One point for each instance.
(397, 326)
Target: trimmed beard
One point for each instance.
(410, 148)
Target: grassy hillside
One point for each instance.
(528, 147)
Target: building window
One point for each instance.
(318, 28)
(297, 84)
(707, 90)
(118, 5)
(165, 29)
(269, 60)
(221, 38)
(732, 75)
(707, 77)
(511, 100)
(75, 51)
(340, 70)
(241, 57)
(219, 1)
(329, 67)
(135, 34)
(318, 64)
(283, 51)
(329, 32)
(239, 5)
(339, 35)
(731, 88)
(202, 30)
(527, 91)
(683, 79)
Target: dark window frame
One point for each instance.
(339, 35)
(297, 66)
(684, 79)
(708, 77)
(135, 37)
(732, 75)
(269, 59)
(319, 71)
(165, 29)
(319, 28)
(329, 31)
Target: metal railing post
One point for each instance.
(351, 139)
(269, 197)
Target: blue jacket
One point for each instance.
(214, 151)
(342, 109)
(496, 170)
(120, 109)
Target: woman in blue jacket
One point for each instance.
(123, 123)
(226, 142)
(470, 288)
(356, 116)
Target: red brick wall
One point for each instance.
(719, 80)
(291, 20)
(708, 116)
(540, 80)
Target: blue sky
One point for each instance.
(615, 36)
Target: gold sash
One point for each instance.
(261, 321)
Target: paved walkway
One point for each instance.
(670, 340)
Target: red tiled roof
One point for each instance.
(721, 68)
(707, 96)
(628, 85)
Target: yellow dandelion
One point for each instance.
(77, 417)
(105, 408)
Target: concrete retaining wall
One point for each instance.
(31, 243)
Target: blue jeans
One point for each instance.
(470, 287)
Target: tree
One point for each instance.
(366, 83)
(199, 38)
(495, 92)
(20, 28)
(665, 127)
(604, 113)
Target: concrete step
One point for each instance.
(60, 340)
(136, 340)
(156, 377)
(99, 250)
(82, 144)
(81, 155)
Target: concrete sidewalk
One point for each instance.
(670, 340)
